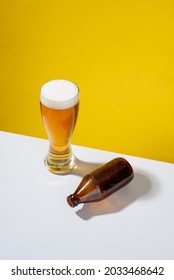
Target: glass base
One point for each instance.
(59, 165)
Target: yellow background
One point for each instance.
(119, 52)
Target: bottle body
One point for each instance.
(102, 182)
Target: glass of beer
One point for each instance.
(59, 103)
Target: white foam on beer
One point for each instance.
(59, 94)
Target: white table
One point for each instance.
(37, 223)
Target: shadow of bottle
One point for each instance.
(140, 186)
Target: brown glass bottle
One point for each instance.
(102, 182)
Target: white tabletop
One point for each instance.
(37, 223)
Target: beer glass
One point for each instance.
(59, 103)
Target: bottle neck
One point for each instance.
(72, 201)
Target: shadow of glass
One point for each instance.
(140, 186)
(84, 168)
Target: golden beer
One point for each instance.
(59, 103)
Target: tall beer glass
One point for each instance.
(59, 102)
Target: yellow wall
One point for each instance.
(119, 52)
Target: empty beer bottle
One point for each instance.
(102, 182)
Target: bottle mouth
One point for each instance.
(72, 201)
